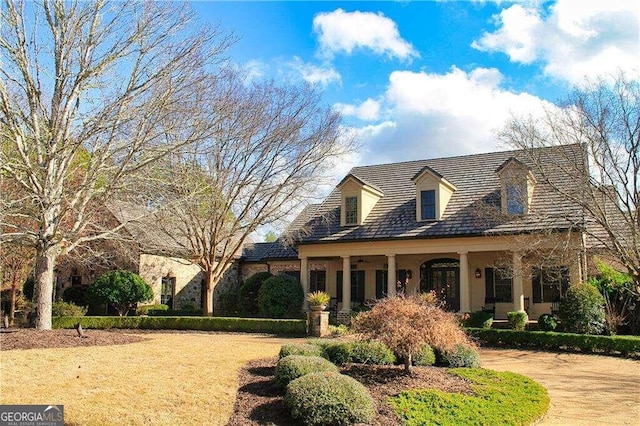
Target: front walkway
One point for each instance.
(584, 389)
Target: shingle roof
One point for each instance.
(472, 210)
(260, 252)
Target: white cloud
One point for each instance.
(435, 115)
(368, 110)
(321, 74)
(341, 31)
(572, 39)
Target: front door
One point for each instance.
(443, 277)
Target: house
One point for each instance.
(480, 230)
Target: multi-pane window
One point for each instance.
(428, 204)
(357, 286)
(317, 281)
(167, 291)
(498, 285)
(549, 284)
(515, 202)
(351, 210)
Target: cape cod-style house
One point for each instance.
(469, 228)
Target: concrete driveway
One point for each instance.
(584, 389)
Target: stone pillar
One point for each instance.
(304, 280)
(465, 299)
(344, 316)
(518, 288)
(391, 275)
(318, 323)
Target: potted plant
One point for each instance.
(318, 300)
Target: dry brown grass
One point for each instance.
(171, 379)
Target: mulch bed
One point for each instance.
(259, 402)
(29, 338)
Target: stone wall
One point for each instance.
(188, 279)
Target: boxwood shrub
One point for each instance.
(306, 349)
(461, 356)
(248, 325)
(329, 399)
(338, 353)
(617, 345)
(480, 319)
(517, 320)
(376, 353)
(426, 357)
(293, 366)
(547, 322)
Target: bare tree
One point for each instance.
(91, 94)
(270, 149)
(604, 118)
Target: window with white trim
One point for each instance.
(351, 210)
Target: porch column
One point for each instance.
(346, 285)
(465, 300)
(391, 275)
(518, 288)
(304, 280)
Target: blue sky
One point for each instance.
(425, 79)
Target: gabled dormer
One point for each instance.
(358, 199)
(433, 192)
(516, 186)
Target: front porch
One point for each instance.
(466, 280)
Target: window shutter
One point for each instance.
(339, 285)
(360, 283)
(488, 284)
(537, 285)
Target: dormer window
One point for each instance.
(351, 210)
(428, 204)
(433, 193)
(358, 199)
(516, 186)
(515, 202)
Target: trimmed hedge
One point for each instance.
(292, 367)
(628, 346)
(517, 320)
(248, 325)
(329, 399)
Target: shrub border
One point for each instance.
(246, 325)
(626, 346)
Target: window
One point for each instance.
(357, 286)
(428, 204)
(515, 202)
(317, 281)
(167, 290)
(549, 284)
(351, 210)
(498, 286)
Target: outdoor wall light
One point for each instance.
(478, 273)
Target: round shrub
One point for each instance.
(372, 352)
(329, 399)
(148, 309)
(280, 297)
(75, 294)
(460, 356)
(67, 309)
(479, 319)
(248, 293)
(582, 310)
(547, 322)
(293, 366)
(517, 320)
(304, 349)
(426, 357)
(338, 353)
(122, 289)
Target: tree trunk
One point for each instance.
(12, 307)
(44, 277)
(209, 284)
(407, 363)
